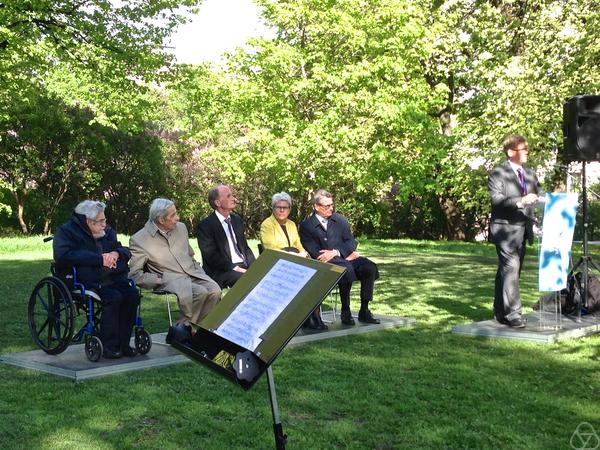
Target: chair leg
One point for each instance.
(334, 295)
(169, 310)
(333, 298)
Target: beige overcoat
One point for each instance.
(154, 253)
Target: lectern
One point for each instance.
(244, 333)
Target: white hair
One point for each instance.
(158, 208)
(321, 193)
(90, 209)
(281, 197)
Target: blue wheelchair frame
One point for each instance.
(51, 313)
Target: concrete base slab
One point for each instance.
(337, 329)
(545, 329)
(73, 364)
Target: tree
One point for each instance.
(334, 101)
(397, 106)
(116, 43)
(52, 156)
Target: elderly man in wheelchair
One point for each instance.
(87, 244)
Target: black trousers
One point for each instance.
(366, 272)
(229, 278)
(507, 298)
(119, 309)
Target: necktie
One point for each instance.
(522, 181)
(232, 237)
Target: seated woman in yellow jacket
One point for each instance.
(277, 232)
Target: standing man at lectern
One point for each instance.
(514, 189)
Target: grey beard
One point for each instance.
(99, 235)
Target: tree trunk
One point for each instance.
(47, 223)
(20, 213)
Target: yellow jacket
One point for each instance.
(272, 236)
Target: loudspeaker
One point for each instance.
(581, 128)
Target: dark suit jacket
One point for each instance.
(338, 236)
(509, 223)
(212, 240)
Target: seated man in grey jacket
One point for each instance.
(162, 258)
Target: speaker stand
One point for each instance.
(585, 261)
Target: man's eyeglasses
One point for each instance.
(330, 205)
(101, 221)
(521, 149)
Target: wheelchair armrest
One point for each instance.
(89, 292)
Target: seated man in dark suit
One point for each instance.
(225, 251)
(326, 236)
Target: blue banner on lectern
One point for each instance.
(557, 236)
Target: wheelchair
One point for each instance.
(59, 305)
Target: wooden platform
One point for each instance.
(73, 364)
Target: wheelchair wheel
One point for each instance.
(50, 315)
(143, 342)
(93, 347)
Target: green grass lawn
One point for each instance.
(414, 388)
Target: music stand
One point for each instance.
(245, 332)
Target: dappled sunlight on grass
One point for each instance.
(417, 387)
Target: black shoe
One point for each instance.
(503, 320)
(366, 317)
(313, 323)
(310, 324)
(129, 351)
(109, 354)
(179, 333)
(519, 322)
(320, 324)
(347, 319)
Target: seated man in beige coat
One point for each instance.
(161, 257)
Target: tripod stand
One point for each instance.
(585, 261)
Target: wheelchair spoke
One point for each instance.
(39, 332)
(42, 301)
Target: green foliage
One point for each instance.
(102, 37)
(76, 107)
(334, 101)
(52, 155)
(398, 107)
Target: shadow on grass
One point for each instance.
(19, 277)
(421, 387)
(442, 290)
(388, 390)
